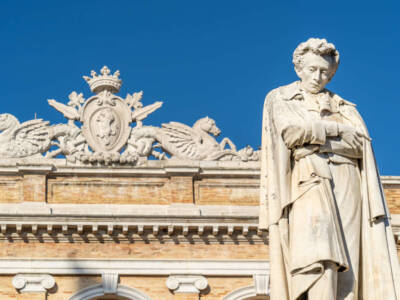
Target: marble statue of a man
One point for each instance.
(321, 196)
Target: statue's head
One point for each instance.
(315, 62)
(7, 121)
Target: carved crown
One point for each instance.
(105, 81)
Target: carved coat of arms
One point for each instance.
(111, 131)
(105, 116)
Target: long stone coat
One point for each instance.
(295, 159)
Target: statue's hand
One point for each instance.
(352, 136)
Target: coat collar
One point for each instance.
(293, 91)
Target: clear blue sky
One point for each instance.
(215, 58)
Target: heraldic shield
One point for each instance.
(106, 122)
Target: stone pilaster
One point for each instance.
(34, 184)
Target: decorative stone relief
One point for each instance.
(181, 141)
(106, 120)
(261, 284)
(186, 283)
(99, 131)
(109, 282)
(33, 283)
(27, 139)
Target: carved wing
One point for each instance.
(31, 137)
(181, 140)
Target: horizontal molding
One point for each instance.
(30, 221)
(174, 214)
(134, 267)
(391, 180)
(151, 167)
(73, 232)
(12, 166)
(127, 210)
(33, 222)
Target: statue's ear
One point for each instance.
(332, 73)
(298, 71)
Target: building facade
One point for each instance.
(103, 221)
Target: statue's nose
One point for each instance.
(316, 77)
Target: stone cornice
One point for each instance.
(391, 181)
(127, 223)
(128, 210)
(165, 233)
(134, 267)
(151, 168)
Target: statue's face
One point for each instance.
(315, 73)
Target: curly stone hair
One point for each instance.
(318, 47)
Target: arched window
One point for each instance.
(96, 292)
(110, 298)
(245, 293)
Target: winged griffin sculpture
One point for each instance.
(99, 131)
(27, 139)
(180, 141)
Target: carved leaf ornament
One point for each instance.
(106, 136)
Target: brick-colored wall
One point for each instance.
(107, 190)
(69, 285)
(226, 191)
(142, 190)
(129, 190)
(133, 251)
(392, 194)
(221, 286)
(7, 291)
(11, 189)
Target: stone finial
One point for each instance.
(33, 283)
(186, 284)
